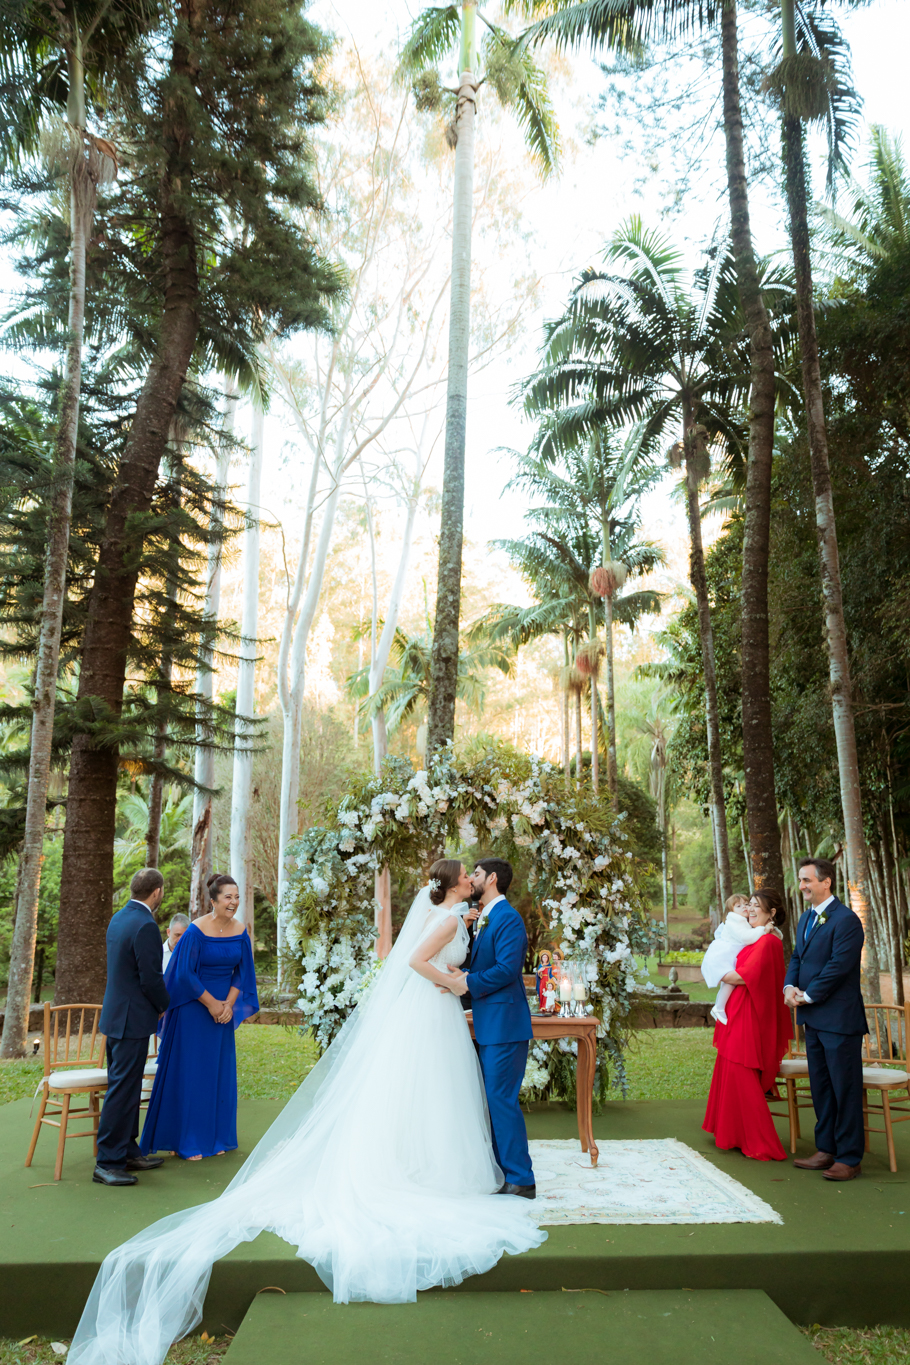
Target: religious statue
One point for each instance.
(544, 975)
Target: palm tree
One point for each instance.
(647, 749)
(627, 24)
(812, 83)
(878, 225)
(648, 345)
(406, 689)
(49, 55)
(174, 828)
(520, 86)
(588, 517)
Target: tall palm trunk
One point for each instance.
(204, 764)
(758, 752)
(699, 581)
(829, 563)
(87, 875)
(83, 180)
(444, 659)
(612, 778)
(242, 780)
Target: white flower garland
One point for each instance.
(582, 875)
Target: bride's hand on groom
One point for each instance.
(459, 983)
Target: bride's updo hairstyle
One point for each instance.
(445, 872)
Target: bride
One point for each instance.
(380, 1169)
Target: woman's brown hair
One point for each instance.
(445, 871)
(772, 901)
(216, 884)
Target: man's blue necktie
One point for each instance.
(810, 927)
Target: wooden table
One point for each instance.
(547, 1028)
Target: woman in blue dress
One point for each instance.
(212, 985)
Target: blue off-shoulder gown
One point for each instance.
(193, 1106)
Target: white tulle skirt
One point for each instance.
(380, 1172)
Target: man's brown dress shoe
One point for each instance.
(840, 1171)
(819, 1162)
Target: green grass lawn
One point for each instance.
(696, 990)
(663, 1064)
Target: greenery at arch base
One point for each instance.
(582, 877)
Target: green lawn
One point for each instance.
(696, 990)
(271, 1062)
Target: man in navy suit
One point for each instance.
(823, 980)
(502, 1019)
(134, 1000)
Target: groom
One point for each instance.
(502, 1019)
(823, 980)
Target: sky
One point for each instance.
(572, 216)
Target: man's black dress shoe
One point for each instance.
(106, 1175)
(144, 1163)
(524, 1191)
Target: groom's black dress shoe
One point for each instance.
(144, 1163)
(107, 1175)
(525, 1191)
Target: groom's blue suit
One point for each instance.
(826, 965)
(502, 1027)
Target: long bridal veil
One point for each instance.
(379, 1169)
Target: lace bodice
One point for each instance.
(454, 953)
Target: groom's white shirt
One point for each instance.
(818, 909)
(487, 908)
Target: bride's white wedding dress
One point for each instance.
(380, 1170)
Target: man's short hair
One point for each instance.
(823, 868)
(145, 882)
(183, 920)
(503, 870)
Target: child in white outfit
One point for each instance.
(735, 933)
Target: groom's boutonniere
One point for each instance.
(822, 917)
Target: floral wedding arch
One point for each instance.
(581, 876)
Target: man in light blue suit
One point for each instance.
(502, 1019)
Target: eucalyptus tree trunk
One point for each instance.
(444, 658)
(758, 752)
(204, 762)
(706, 638)
(163, 686)
(89, 166)
(379, 658)
(242, 781)
(595, 738)
(826, 532)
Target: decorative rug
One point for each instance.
(661, 1181)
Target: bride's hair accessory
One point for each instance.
(444, 874)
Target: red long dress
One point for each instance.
(749, 1050)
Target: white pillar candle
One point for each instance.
(565, 989)
(579, 992)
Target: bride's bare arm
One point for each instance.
(420, 958)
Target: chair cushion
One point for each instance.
(883, 1075)
(793, 1066)
(86, 1078)
(150, 1067)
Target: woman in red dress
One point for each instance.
(753, 1041)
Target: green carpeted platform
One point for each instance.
(494, 1329)
(841, 1257)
